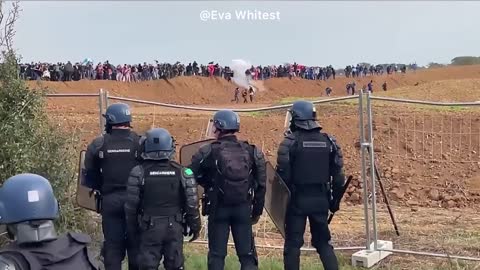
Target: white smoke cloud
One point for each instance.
(239, 67)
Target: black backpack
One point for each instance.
(234, 166)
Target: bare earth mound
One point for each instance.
(217, 91)
(429, 158)
(444, 91)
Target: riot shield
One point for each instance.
(277, 197)
(187, 151)
(85, 198)
(3, 229)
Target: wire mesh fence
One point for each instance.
(429, 161)
(427, 155)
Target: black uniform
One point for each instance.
(67, 252)
(160, 193)
(108, 162)
(311, 164)
(226, 209)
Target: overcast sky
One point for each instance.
(310, 33)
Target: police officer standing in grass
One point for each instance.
(108, 161)
(311, 164)
(233, 174)
(161, 194)
(28, 207)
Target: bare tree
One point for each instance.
(8, 16)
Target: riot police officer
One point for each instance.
(161, 193)
(28, 207)
(233, 174)
(108, 161)
(311, 164)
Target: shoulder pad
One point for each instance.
(206, 149)
(290, 136)
(333, 140)
(135, 136)
(186, 172)
(257, 153)
(137, 171)
(98, 142)
(133, 133)
(6, 264)
(80, 237)
(141, 139)
(176, 164)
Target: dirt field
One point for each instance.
(429, 157)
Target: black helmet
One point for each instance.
(302, 115)
(303, 110)
(118, 113)
(226, 120)
(159, 144)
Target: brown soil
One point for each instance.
(428, 158)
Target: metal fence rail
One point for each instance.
(432, 103)
(72, 95)
(367, 136)
(206, 109)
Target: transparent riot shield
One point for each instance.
(85, 197)
(187, 151)
(3, 229)
(277, 197)
(185, 157)
(210, 130)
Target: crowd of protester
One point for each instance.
(145, 72)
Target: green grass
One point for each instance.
(196, 259)
(199, 262)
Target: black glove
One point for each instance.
(185, 229)
(194, 227)
(255, 219)
(194, 234)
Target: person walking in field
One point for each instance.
(251, 92)
(244, 95)
(235, 97)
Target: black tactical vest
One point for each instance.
(162, 190)
(311, 159)
(117, 157)
(67, 252)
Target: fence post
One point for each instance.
(100, 107)
(106, 99)
(372, 172)
(364, 168)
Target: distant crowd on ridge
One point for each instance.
(146, 72)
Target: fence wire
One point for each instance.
(187, 127)
(429, 161)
